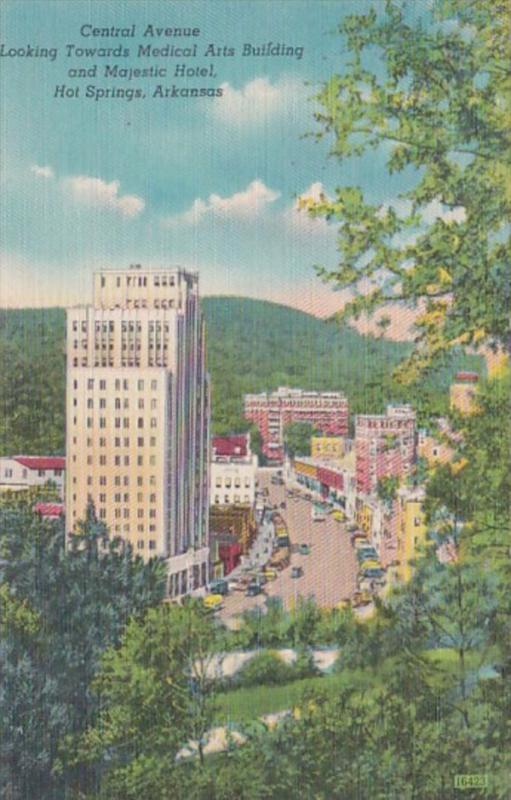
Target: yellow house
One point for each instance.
(412, 531)
(327, 448)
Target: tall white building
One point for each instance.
(138, 417)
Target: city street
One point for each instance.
(329, 571)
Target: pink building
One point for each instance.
(327, 412)
(384, 446)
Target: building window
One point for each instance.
(152, 498)
(102, 480)
(89, 422)
(102, 402)
(90, 383)
(140, 422)
(152, 513)
(89, 460)
(152, 461)
(218, 483)
(154, 385)
(140, 544)
(154, 403)
(102, 385)
(141, 403)
(152, 544)
(140, 386)
(102, 461)
(152, 441)
(154, 422)
(140, 461)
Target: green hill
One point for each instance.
(252, 346)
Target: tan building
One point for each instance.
(463, 391)
(138, 417)
(327, 448)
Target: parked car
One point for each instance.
(282, 505)
(374, 572)
(338, 515)
(369, 563)
(366, 552)
(360, 540)
(361, 599)
(304, 549)
(253, 589)
(296, 572)
(213, 601)
(219, 586)
(270, 574)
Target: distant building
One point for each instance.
(232, 471)
(384, 446)
(412, 530)
(327, 448)
(22, 472)
(327, 412)
(237, 521)
(49, 510)
(463, 391)
(432, 449)
(331, 481)
(138, 417)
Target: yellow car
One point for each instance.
(338, 515)
(370, 564)
(270, 574)
(213, 601)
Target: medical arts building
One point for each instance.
(138, 417)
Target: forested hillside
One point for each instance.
(252, 346)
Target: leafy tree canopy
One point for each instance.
(438, 106)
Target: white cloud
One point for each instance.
(258, 100)
(248, 203)
(436, 210)
(42, 172)
(101, 194)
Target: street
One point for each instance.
(329, 572)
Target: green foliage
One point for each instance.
(64, 609)
(252, 345)
(148, 689)
(387, 488)
(438, 108)
(265, 668)
(297, 438)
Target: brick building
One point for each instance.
(327, 412)
(384, 446)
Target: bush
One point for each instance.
(266, 668)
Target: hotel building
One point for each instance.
(327, 412)
(138, 417)
(384, 446)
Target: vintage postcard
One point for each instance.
(255, 428)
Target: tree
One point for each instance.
(153, 702)
(297, 438)
(437, 107)
(82, 599)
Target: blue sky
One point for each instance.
(209, 184)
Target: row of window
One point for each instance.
(102, 404)
(141, 280)
(228, 482)
(117, 461)
(228, 500)
(132, 345)
(119, 422)
(41, 473)
(119, 384)
(118, 442)
(119, 480)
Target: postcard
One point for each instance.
(255, 400)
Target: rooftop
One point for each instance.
(41, 462)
